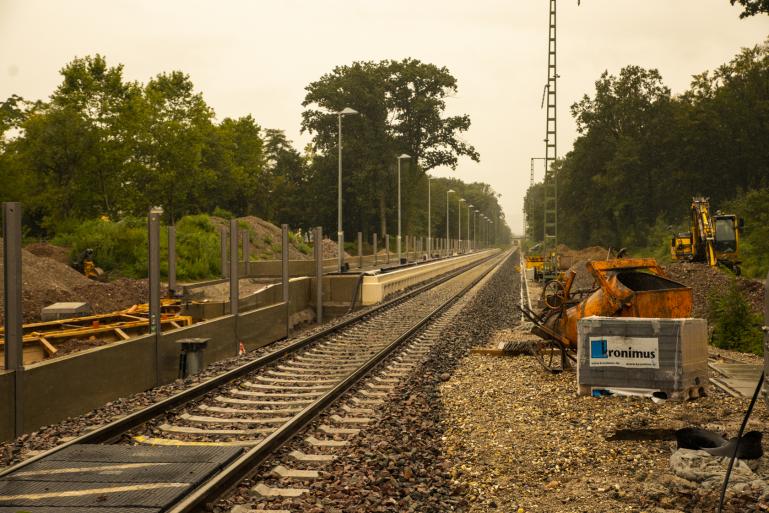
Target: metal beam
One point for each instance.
(234, 275)
(286, 296)
(14, 350)
(153, 229)
(171, 261)
(318, 249)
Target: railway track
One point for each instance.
(233, 423)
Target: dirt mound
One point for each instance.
(704, 279)
(266, 240)
(46, 281)
(589, 253)
(44, 249)
(575, 260)
(330, 249)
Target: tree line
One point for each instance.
(101, 145)
(642, 153)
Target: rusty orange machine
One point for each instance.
(627, 287)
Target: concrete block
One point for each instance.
(667, 355)
(58, 311)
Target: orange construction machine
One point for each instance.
(626, 287)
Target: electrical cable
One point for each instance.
(739, 439)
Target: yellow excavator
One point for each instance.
(710, 239)
(86, 266)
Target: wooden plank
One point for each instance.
(48, 347)
(122, 334)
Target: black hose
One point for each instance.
(739, 439)
(355, 294)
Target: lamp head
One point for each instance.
(404, 156)
(347, 110)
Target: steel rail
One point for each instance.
(243, 466)
(113, 430)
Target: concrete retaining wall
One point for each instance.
(6, 406)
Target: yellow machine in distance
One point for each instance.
(711, 239)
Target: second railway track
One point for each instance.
(255, 409)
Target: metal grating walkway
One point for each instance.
(111, 478)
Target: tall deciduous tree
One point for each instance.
(752, 7)
(401, 106)
(171, 150)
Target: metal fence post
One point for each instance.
(171, 261)
(223, 251)
(14, 350)
(360, 250)
(318, 274)
(153, 228)
(286, 297)
(234, 281)
(246, 253)
(766, 337)
(376, 257)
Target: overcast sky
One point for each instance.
(257, 56)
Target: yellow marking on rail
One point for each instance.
(100, 470)
(173, 442)
(93, 491)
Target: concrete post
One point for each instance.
(318, 249)
(360, 250)
(376, 257)
(234, 282)
(223, 251)
(14, 349)
(171, 261)
(387, 248)
(284, 248)
(246, 253)
(153, 229)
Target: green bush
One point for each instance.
(735, 326)
(197, 248)
(119, 247)
(298, 242)
(224, 214)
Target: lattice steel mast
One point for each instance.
(550, 240)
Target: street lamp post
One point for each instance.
(469, 208)
(459, 224)
(448, 237)
(403, 156)
(339, 232)
(475, 228)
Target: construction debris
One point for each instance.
(47, 280)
